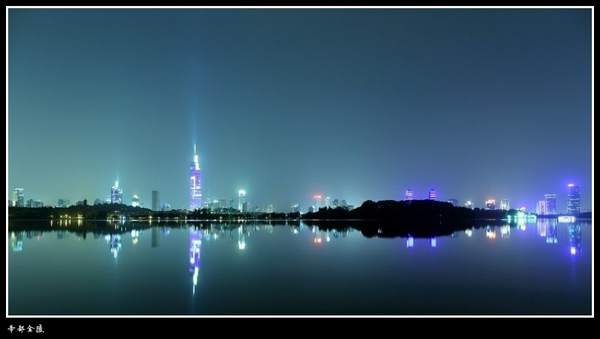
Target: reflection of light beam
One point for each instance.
(433, 242)
(410, 242)
(573, 250)
(469, 233)
(195, 280)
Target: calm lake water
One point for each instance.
(539, 268)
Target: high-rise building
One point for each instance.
(327, 202)
(242, 203)
(454, 202)
(318, 198)
(409, 195)
(155, 201)
(469, 204)
(135, 201)
(541, 208)
(98, 201)
(195, 183)
(34, 204)
(19, 197)
(116, 194)
(504, 204)
(270, 208)
(62, 203)
(573, 200)
(295, 208)
(432, 194)
(490, 204)
(551, 204)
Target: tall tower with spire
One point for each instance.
(195, 183)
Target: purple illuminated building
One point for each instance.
(409, 195)
(432, 194)
(195, 183)
(573, 200)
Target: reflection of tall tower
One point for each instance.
(575, 239)
(195, 184)
(241, 239)
(573, 200)
(195, 236)
(552, 232)
(115, 244)
(154, 236)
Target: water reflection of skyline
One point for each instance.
(241, 236)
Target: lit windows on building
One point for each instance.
(432, 194)
(135, 201)
(573, 200)
(195, 183)
(504, 204)
(541, 208)
(18, 197)
(550, 204)
(242, 203)
(116, 194)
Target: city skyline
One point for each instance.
(547, 206)
(265, 119)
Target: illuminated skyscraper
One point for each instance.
(18, 197)
(318, 201)
(135, 201)
(409, 195)
(573, 200)
(116, 194)
(550, 204)
(155, 201)
(195, 183)
(469, 204)
(504, 204)
(541, 208)
(242, 204)
(490, 204)
(432, 194)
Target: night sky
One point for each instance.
(355, 104)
